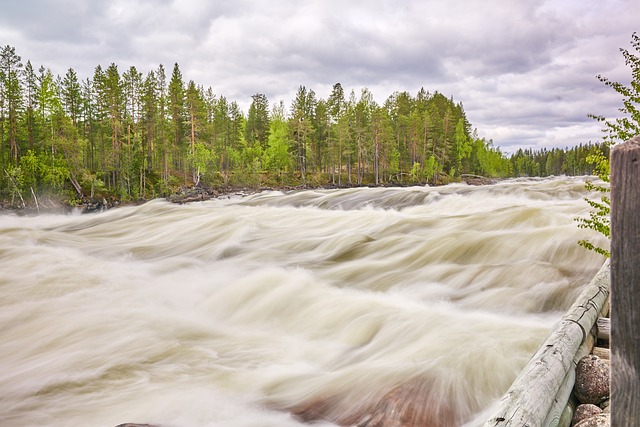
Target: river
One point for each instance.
(277, 309)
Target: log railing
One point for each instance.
(540, 393)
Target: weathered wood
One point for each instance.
(567, 416)
(625, 283)
(533, 395)
(604, 328)
(585, 348)
(602, 353)
(561, 400)
(557, 415)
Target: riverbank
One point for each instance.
(58, 205)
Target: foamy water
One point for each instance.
(273, 309)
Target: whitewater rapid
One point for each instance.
(276, 308)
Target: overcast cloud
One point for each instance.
(523, 69)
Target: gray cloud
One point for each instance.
(525, 71)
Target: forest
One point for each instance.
(121, 135)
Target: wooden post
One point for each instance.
(625, 283)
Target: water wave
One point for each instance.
(332, 306)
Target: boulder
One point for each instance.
(415, 403)
(584, 411)
(592, 380)
(600, 420)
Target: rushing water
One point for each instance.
(338, 306)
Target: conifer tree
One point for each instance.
(257, 126)
(71, 95)
(176, 93)
(10, 100)
(31, 90)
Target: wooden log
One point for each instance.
(534, 394)
(604, 328)
(567, 416)
(561, 400)
(557, 415)
(602, 353)
(625, 283)
(585, 349)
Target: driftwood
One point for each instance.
(540, 393)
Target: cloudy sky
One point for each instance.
(523, 69)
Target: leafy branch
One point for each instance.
(620, 129)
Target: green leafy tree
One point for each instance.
(616, 130)
(277, 156)
(461, 147)
(202, 159)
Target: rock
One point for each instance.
(600, 420)
(415, 403)
(477, 180)
(592, 380)
(585, 411)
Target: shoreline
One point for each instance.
(57, 205)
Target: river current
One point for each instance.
(280, 309)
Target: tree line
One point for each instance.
(131, 136)
(571, 161)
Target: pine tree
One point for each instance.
(31, 90)
(300, 126)
(10, 100)
(114, 106)
(176, 95)
(336, 109)
(257, 127)
(72, 95)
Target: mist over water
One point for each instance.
(273, 308)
